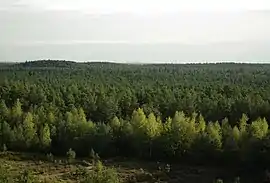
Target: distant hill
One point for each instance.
(48, 64)
(63, 64)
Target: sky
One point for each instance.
(135, 30)
(137, 6)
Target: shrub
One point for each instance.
(50, 157)
(26, 177)
(4, 177)
(94, 156)
(71, 155)
(101, 174)
(219, 181)
(4, 148)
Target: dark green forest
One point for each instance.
(175, 112)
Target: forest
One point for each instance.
(188, 113)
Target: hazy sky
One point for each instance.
(137, 6)
(135, 30)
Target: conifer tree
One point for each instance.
(7, 134)
(81, 116)
(115, 124)
(45, 137)
(259, 128)
(29, 131)
(201, 124)
(16, 112)
(4, 111)
(214, 135)
(152, 129)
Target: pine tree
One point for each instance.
(7, 135)
(19, 139)
(243, 128)
(29, 131)
(152, 127)
(259, 128)
(81, 116)
(201, 124)
(243, 123)
(226, 129)
(214, 135)
(183, 133)
(231, 142)
(16, 112)
(152, 130)
(50, 118)
(167, 125)
(45, 137)
(4, 111)
(115, 124)
(236, 134)
(138, 119)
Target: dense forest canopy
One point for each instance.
(185, 111)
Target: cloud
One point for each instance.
(189, 28)
(136, 6)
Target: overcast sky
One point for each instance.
(135, 30)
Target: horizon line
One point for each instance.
(143, 62)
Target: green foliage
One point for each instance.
(4, 176)
(26, 177)
(94, 156)
(115, 123)
(29, 131)
(4, 111)
(101, 174)
(7, 134)
(4, 148)
(213, 131)
(45, 136)
(147, 111)
(259, 128)
(50, 157)
(71, 155)
(16, 111)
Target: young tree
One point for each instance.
(184, 130)
(259, 128)
(226, 129)
(213, 131)
(7, 134)
(167, 127)
(115, 124)
(138, 120)
(152, 130)
(101, 174)
(16, 112)
(231, 142)
(71, 155)
(243, 124)
(236, 134)
(201, 124)
(51, 118)
(4, 111)
(19, 139)
(29, 131)
(45, 136)
(81, 116)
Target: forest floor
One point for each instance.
(130, 171)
